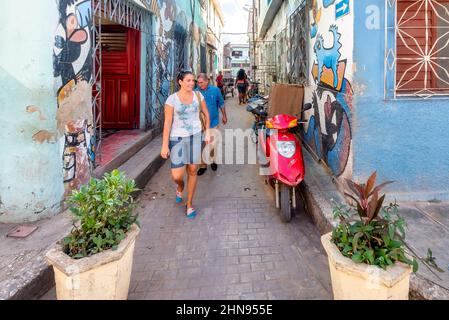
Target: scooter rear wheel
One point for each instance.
(285, 202)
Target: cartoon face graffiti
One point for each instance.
(72, 63)
(328, 57)
(72, 47)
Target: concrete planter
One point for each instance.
(359, 281)
(103, 276)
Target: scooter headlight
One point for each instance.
(286, 148)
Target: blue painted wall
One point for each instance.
(31, 183)
(405, 141)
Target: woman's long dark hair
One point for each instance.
(241, 74)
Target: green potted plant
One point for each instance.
(366, 249)
(94, 261)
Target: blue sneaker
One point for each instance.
(191, 213)
(178, 196)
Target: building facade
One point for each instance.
(227, 51)
(73, 69)
(376, 87)
(214, 49)
(240, 59)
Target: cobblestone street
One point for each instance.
(236, 248)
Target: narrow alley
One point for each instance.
(236, 248)
(102, 95)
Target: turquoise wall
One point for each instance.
(30, 161)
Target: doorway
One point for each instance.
(120, 63)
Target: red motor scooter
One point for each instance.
(280, 157)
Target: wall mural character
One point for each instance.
(72, 45)
(328, 57)
(72, 66)
(328, 132)
(330, 140)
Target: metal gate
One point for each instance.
(129, 15)
(264, 68)
(298, 57)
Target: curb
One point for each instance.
(39, 278)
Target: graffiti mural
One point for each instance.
(177, 46)
(328, 57)
(180, 42)
(316, 15)
(328, 104)
(72, 42)
(72, 66)
(330, 136)
(328, 3)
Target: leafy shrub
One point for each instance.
(369, 232)
(105, 212)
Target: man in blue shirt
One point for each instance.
(215, 103)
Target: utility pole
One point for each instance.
(254, 40)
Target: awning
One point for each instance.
(150, 5)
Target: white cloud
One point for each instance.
(236, 20)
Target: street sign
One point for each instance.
(237, 53)
(341, 9)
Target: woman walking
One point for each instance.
(182, 136)
(241, 82)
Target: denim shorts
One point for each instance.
(185, 150)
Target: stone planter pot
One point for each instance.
(360, 281)
(102, 276)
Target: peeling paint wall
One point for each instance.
(31, 184)
(46, 130)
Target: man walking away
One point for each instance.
(214, 102)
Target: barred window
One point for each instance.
(298, 55)
(422, 48)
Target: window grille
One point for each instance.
(417, 50)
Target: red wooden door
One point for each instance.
(120, 77)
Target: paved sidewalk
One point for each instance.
(428, 227)
(236, 248)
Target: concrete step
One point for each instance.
(125, 154)
(144, 164)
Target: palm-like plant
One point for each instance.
(370, 232)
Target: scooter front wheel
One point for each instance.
(285, 202)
